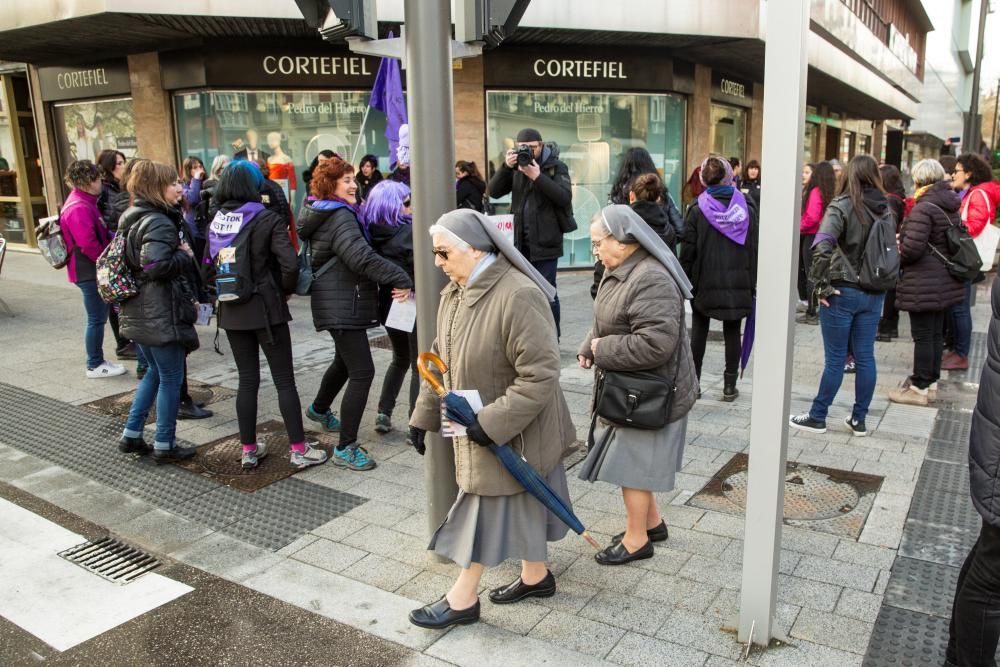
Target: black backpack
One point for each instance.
(880, 258)
(962, 261)
(234, 280)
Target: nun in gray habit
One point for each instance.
(496, 335)
(639, 324)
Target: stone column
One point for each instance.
(699, 119)
(878, 139)
(470, 112)
(820, 154)
(755, 140)
(154, 126)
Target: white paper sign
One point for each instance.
(402, 315)
(204, 314)
(227, 223)
(505, 223)
(450, 429)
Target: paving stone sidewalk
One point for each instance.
(368, 567)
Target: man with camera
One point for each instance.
(541, 201)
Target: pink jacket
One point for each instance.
(813, 214)
(83, 230)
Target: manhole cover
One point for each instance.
(220, 460)
(111, 560)
(824, 499)
(118, 405)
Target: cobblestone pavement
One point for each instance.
(367, 566)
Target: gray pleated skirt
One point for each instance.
(491, 529)
(635, 458)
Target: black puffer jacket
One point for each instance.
(841, 227)
(346, 296)
(395, 243)
(723, 273)
(538, 205)
(469, 194)
(275, 271)
(751, 190)
(120, 202)
(166, 307)
(984, 440)
(106, 203)
(653, 214)
(924, 282)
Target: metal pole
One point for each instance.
(784, 117)
(973, 131)
(432, 157)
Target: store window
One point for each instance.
(84, 129)
(728, 131)
(810, 143)
(287, 128)
(22, 198)
(592, 132)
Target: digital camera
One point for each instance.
(525, 156)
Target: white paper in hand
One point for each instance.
(450, 429)
(402, 315)
(204, 314)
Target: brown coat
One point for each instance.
(639, 318)
(498, 336)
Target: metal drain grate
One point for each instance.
(111, 560)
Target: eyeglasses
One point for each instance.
(406, 202)
(596, 245)
(443, 254)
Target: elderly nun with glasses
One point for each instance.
(496, 334)
(638, 335)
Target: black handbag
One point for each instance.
(634, 399)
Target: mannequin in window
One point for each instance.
(250, 150)
(280, 165)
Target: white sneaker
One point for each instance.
(106, 370)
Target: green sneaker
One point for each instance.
(353, 458)
(327, 419)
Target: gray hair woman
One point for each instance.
(926, 289)
(638, 326)
(496, 334)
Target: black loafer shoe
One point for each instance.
(518, 590)
(191, 410)
(134, 446)
(440, 615)
(173, 454)
(617, 554)
(658, 534)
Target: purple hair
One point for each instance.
(383, 205)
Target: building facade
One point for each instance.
(680, 79)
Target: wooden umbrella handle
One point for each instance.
(424, 359)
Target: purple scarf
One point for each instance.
(732, 221)
(227, 224)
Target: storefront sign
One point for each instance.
(267, 67)
(618, 70)
(731, 90)
(73, 83)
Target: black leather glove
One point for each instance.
(478, 435)
(417, 439)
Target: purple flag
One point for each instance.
(387, 97)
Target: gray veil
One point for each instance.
(482, 234)
(626, 226)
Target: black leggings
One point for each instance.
(120, 342)
(404, 357)
(699, 336)
(352, 365)
(246, 346)
(806, 288)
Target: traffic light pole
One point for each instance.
(432, 160)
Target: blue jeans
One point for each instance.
(97, 317)
(961, 323)
(161, 383)
(852, 317)
(547, 267)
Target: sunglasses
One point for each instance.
(406, 202)
(443, 254)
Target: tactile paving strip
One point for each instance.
(941, 476)
(919, 585)
(946, 450)
(84, 442)
(904, 638)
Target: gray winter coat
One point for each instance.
(639, 317)
(346, 296)
(984, 440)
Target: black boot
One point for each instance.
(729, 390)
(191, 410)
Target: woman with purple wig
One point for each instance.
(387, 218)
